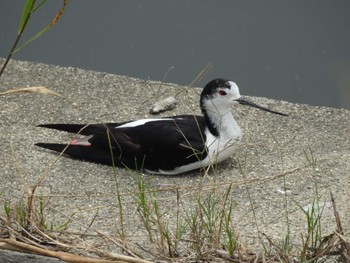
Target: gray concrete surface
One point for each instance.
(85, 192)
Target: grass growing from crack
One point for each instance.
(29, 212)
(160, 231)
(210, 223)
(313, 213)
(244, 172)
(205, 230)
(121, 230)
(285, 245)
(206, 227)
(230, 240)
(144, 206)
(173, 238)
(17, 218)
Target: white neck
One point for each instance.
(222, 120)
(223, 132)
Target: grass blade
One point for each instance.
(27, 11)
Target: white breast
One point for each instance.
(221, 148)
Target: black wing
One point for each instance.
(162, 144)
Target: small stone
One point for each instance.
(166, 104)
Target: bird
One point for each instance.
(170, 145)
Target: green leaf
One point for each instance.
(28, 7)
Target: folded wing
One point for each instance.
(162, 144)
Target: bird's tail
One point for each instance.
(72, 128)
(82, 152)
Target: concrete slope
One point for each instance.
(86, 192)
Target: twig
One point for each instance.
(197, 78)
(130, 252)
(345, 245)
(56, 254)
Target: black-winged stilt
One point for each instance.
(170, 145)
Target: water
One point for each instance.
(297, 51)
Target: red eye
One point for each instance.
(222, 92)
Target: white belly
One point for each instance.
(219, 149)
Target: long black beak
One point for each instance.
(251, 104)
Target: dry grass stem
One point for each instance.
(40, 90)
